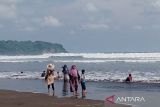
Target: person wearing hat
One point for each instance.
(50, 67)
(49, 78)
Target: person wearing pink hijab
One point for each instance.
(74, 79)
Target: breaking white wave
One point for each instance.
(19, 75)
(85, 57)
(152, 76)
(119, 76)
(111, 76)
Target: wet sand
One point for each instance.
(27, 99)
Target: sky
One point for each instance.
(84, 25)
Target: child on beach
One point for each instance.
(49, 78)
(83, 84)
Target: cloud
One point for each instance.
(7, 11)
(10, 1)
(95, 26)
(156, 3)
(91, 7)
(123, 13)
(72, 32)
(1, 26)
(86, 14)
(137, 27)
(28, 28)
(51, 21)
(8, 8)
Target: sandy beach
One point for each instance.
(27, 99)
(97, 91)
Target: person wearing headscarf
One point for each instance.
(74, 79)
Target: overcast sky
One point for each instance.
(84, 25)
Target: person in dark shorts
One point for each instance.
(129, 78)
(43, 74)
(83, 84)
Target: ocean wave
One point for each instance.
(118, 76)
(85, 57)
(83, 61)
(110, 55)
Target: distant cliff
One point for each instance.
(29, 48)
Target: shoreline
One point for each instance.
(95, 90)
(9, 98)
(95, 81)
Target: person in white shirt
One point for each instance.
(83, 84)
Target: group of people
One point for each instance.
(70, 76)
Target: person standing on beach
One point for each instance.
(70, 82)
(74, 79)
(49, 78)
(65, 72)
(58, 75)
(83, 84)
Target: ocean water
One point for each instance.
(105, 73)
(95, 90)
(108, 67)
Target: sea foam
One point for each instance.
(85, 57)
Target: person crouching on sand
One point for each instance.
(49, 78)
(83, 84)
(74, 81)
(129, 78)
